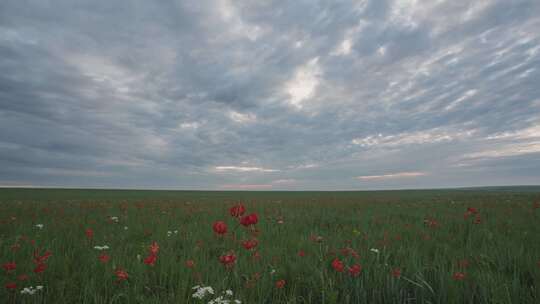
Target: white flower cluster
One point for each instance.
(374, 250)
(114, 218)
(104, 247)
(31, 290)
(169, 233)
(203, 291)
(126, 228)
(39, 226)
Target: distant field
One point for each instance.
(421, 246)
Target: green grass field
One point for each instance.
(312, 247)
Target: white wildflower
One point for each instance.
(104, 247)
(31, 290)
(39, 226)
(202, 291)
(374, 250)
(228, 292)
(114, 218)
(126, 228)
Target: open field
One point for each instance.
(429, 246)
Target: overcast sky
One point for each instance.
(230, 94)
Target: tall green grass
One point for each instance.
(502, 251)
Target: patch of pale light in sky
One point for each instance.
(391, 176)
(243, 169)
(304, 83)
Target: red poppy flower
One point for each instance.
(150, 260)
(301, 253)
(249, 220)
(154, 248)
(338, 265)
(256, 255)
(89, 233)
(40, 268)
(41, 259)
(22, 277)
(228, 259)
(472, 210)
(9, 266)
(104, 258)
(237, 210)
(355, 270)
(396, 273)
(220, 227)
(458, 276)
(190, 263)
(250, 244)
(280, 284)
(11, 285)
(121, 275)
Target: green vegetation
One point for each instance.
(422, 246)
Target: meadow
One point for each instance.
(422, 246)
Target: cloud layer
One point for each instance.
(371, 94)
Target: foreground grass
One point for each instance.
(413, 246)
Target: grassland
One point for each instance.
(430, 246)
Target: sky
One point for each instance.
(269, 95)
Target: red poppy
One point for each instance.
(256, 255)
(338, 265)
(237, 210)
(458, 276)
(89, 233)
(40, 268)
(22, 277)
(301, 253)
(477, 219)
(9, 266)
(154, 248)
(396, 273)
(220, 227)
(431, 223)
(280, 284)
(121, 275)
(250, 244)
(150, 260)
(249, 220)
(41, 259)
(470, 211)
(190, 263)
(228, 259)
(11, 285)
(104, 258)
(355, 270)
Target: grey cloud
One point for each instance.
(140, 94)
